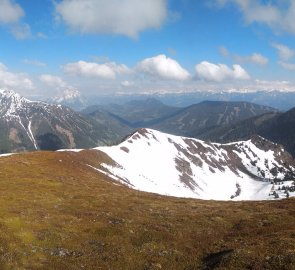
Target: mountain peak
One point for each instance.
(31, 125)
(5, 93)
(11, 102)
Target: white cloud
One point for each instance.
(254, 58)
(127, 83)
(269, 83)
(276, 15)
(14, 80)
(258, 59)
(263, 85)
(90, 69)
(34, 63)
(126, 17)
(220, 72)
(63, 90)
(68, 94)
(10, 12)
(284, 52)
(53, 81)
(163, 67)
(287, 66)
(10, 15)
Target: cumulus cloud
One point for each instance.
(163, 67)
(127, 83)
(258, 59)
(54, 81)
(287, 66)
(90, 69)
(220, 72)
(10, 12)
(125, 17)
(64, 90)
(14, 80)
(284, 52)
(272, 13)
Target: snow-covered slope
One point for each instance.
(170, 165)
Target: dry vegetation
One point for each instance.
(58, 213)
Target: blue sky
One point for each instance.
(105, 46)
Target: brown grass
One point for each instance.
(58, 213)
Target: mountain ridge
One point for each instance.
(197, 118)
(32, 125)
(153, 161)
(188, 121)
(277, 127)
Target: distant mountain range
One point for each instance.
(31, 125)
(156, 162)
(136, 113)
(190, 121)
(281, 100)
(277, 127)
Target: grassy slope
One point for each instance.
(57, 213)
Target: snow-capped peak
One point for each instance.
(9, 94)
(11, 102)
(23, 116)
(171, 165)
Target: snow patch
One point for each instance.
(7, 155)
(32, 136)
(70, 150)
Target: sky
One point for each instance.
(90, 47)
